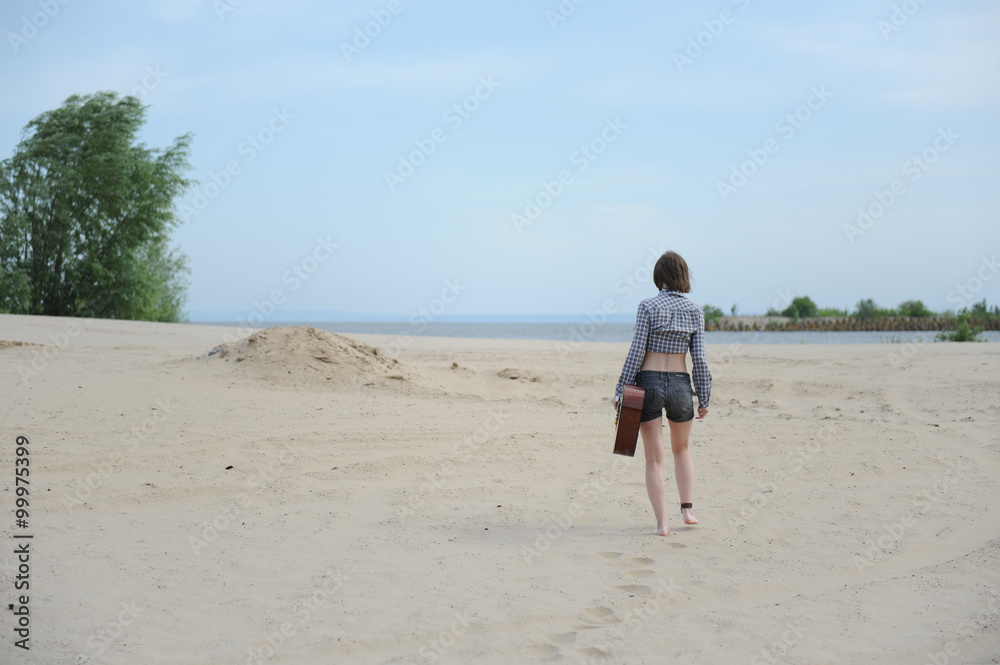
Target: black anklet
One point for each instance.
(687, 505)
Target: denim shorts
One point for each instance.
(666, 390)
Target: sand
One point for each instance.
(304, 497)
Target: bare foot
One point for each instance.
(663, 530)
(689, 517)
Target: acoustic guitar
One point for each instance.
(629, 410)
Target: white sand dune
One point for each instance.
(456, 501)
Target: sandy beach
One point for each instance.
(307, 498)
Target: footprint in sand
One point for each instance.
(675, 546)
(635, 589)
(595, 653)
(600, 614)
(640, 561)
(610, 555)
(564, 638)
(641, 573)
(543, 651)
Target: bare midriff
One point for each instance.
(664, 362)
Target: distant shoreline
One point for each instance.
(98, 332)
(574, 334)
(839, 324)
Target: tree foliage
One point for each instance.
(867, 309)
(712, 313)
(85, 215)
(800, 308)
(915, 308)
(981, 311)
(964, 330)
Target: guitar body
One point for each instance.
(629, 411)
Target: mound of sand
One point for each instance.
(303, 354)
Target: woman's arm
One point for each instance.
(636, 354)
(699, 365)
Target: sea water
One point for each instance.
(617, 332)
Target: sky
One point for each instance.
(369, 159)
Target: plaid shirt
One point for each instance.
(669, 323)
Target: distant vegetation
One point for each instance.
(965, 325)
(712, 313)
(867, 310)
(915, 308)
(801, 308)
(963, 332)
(969, 323)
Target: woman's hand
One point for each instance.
(702, 412)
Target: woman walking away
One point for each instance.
(667, 327)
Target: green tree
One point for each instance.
(711, 313)
(85, 213)
(800, 308)
(981, 311)
(866, 309)
(914, 308)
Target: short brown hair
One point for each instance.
(671, 273)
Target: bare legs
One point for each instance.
(652, 443)
(680, 438)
